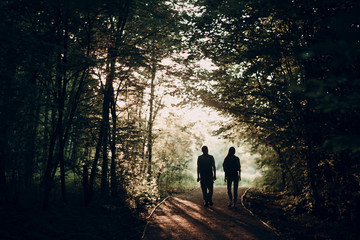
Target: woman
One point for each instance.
(232, 169)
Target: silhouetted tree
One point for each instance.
(287, 70)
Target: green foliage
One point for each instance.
(57, 83)
(141, 192)
(176, 182)
(287, 74)
(173, 148)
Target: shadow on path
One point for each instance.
(185, 217)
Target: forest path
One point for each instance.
(184, 217)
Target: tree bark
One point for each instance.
(86, 184)
(150, 121)
(105, 119)
(311, 170)
(95, 163)
(62, 93)
(113, 149)
(48, 170)
(108, 95)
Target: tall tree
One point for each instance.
(277, 71)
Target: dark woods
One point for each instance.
(78, 102)
(75, 112)
(289, 70)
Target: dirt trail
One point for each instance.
(185, 217)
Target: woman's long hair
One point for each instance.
(227, 158)
(231, 152)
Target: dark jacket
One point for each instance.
(205, 164)
(231, 166)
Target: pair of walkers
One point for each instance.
(206, 172)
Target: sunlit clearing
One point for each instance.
(203, 122)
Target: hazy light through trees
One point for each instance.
(107, 98)
(204, 122)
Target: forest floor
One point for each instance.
(72, 221)
(183, 216)
(273, 209)
(180, 217)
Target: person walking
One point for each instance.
(206, 173)
(232, 169)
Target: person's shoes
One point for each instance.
(230, 204)
(206, 204)
(211, 203)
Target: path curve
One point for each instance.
(184, 217)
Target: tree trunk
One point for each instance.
(86, 184)
(108, 96)
(62, 169)
(143, 142)
(62, 93)
(61, 82)
(285, 169)
(113, 149)
(108, 92)
(95, 163)
(48, 170)
(104, 169)
(150, 126)
(311, 170)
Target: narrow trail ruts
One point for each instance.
(184, 217)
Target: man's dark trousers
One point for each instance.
(207, 183)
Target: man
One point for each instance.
(232, 169)
(206, 172)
